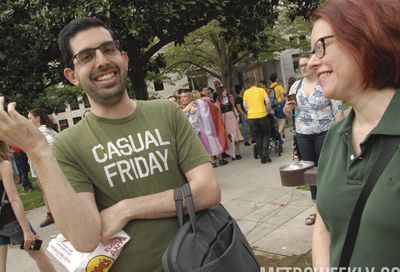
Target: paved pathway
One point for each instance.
(270, 215)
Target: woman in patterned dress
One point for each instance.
(315, 114)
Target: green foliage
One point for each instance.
(31, 200)
(226, 43)
(30, 61)
(55, 98)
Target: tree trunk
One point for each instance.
(225, 53)
(138, 77)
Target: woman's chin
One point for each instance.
(329, 93)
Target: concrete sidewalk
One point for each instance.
(270, 215)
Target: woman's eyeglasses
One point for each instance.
(320, 46)
(109, 48)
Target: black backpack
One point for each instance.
(210, 241)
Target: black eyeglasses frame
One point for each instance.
(322, 41)
(116, 42)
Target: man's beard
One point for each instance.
(102, 97)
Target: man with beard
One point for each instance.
(123, 160)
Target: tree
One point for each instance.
(206, 49)
(55, 98)
(30, 61)
(219, 51)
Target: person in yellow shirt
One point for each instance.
(280, 97)
(254, 101)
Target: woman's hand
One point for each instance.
(29, 239)
(289, 106)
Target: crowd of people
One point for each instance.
(117, 168)
(223, 121)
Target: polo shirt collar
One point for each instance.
(388, 125)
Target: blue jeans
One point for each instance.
(310, 147)
(245, 127)
(21, 160)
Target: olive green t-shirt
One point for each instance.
(342, 175)
(145, 153)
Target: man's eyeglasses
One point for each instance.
(110, 48)
(320, 46)
(303, 65)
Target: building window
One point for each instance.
(76, 119)
(63, 124)
(74, 105)
(296, 58)
(158, 85)
(61, 108)
(197, 81)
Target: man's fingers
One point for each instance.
(105, 239)
(1, 103)
(11, 109)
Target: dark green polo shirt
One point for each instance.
(341, 176)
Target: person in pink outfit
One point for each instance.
(225, 102)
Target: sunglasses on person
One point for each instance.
(108, 49)
(320, 46)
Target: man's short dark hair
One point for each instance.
(273, 77)
(70, 30)
(250, 81)
(238, 89)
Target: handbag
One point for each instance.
(209, 241)
(391, 144)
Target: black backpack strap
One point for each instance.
(178, 204)
(293, 111)
(187, 194)
(391, 144)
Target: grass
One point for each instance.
(31, 200)
(304, 187)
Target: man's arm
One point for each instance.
(76, 215)
(320, 244)
(205, 191)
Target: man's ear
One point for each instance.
(71, 76)
(125, 56)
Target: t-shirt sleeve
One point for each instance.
(264, 94)
(245, 96)
(72, 171)
(281, 89)
(191, 152)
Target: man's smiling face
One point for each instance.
(104, 77)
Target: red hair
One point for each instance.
(370, 29)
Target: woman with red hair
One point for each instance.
(356, 56)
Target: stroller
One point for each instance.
(274, 143)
